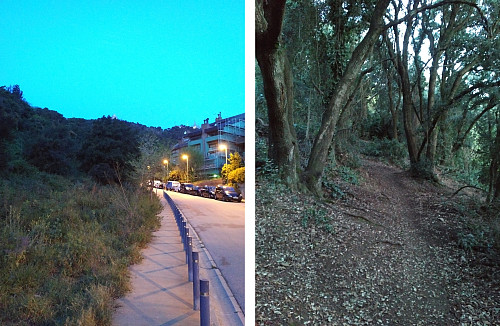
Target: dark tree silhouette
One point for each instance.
(107, 152)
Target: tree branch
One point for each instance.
(440, 4)
(460, 141)
(268, 22)
(462, 188)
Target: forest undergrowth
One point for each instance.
(381, 248)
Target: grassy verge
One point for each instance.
(65, 248)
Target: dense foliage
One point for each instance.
(43, 139)
(236, 176)
(73, 214)
(411, 83)
(234, 162)
(107, 152)
(428, 81)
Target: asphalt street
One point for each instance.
(221, 227)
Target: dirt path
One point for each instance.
(389, 257)
(402, 250)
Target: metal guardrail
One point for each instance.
(201, 295)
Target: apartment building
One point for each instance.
(209, 137)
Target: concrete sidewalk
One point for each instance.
(161, 293)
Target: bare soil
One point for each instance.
(387, 253)
(210, 182)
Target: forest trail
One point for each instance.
(404, 249)
(390, 257)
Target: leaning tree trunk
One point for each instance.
(278, 88)
(319, 153)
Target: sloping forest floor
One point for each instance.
(392, 251)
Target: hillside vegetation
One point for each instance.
(73, 215)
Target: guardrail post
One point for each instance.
(186, 235)
(204, 303)
(183, 233)
(177, 217)
(196, 281)
(190, 258)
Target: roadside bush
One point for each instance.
(234, 162)
(175, 175)
(236, 176)
(66, 248)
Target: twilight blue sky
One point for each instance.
(159, 63)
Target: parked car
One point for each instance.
(208, 192)
(195, 191)
(173, 185)
(227, 193)
(158, 184)
(186, 188)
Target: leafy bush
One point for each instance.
(317, 217)
(234, 162)
(261, 149)
(269, 170)
(348, 175)
(109, 150)
(333, 189)
(236, 176)
(176, 175)
(390, 149)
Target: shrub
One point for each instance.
(319, 218)
(390, 149)
(236, 176)
(234, 162)
(176, 175)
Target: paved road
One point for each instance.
(221, 227)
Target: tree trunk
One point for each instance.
(418, 167)
(323, 140)
(495, 165)
(392, 108)
(408, 113)
(408, 116)
(278, 88)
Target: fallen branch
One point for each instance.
(364, 218)
(467, 186)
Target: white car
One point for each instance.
(173, 185)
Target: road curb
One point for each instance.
(236, 307)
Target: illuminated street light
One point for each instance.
(223, 147)
(185, 157)
(165, 162)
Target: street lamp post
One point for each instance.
(185, 157)
(165, 162)
(223, 147)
